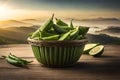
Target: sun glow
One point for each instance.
(5, 13)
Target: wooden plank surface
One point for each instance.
(107, 67)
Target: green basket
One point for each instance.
(57, 53)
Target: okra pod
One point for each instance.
(15, 62)
(18, 59)
(14, 57)
(79, 37)
(58, 29)
(48, 24)
(83, 30)
(65, 36)
(74, 34)
(65, 27)
(60, 22)
(71, 24)
(54, 37)
(36, 35)
(44, 34)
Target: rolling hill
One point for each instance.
(101, 22)
(13, 35)
(111, 29)
(33, 21)
(13, 23)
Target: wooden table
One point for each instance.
(106, 67)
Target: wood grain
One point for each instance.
(106, 67)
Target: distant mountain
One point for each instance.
(19, 35)
(101, 19)
(32, 21)
(111, 29)
(29, 20)
(101, 22)
(13, 23)
(103, 39)
(15, 34)
(98, 22)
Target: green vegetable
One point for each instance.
(47, 25)
(65, 27)
(58, 29)
(60, 22)
(54, 37)
(90, 46)
(74, 34)
(65, 36)
(18, 58)
(79, 37)
(17, 61)
(97, 51)
(36, 34)
(44, 34)
(83, 30)
(71, 24)
(14, 57)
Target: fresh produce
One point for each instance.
(65, 36)
(89, 46)
(71, 24)
(60, 22)
(94, 49)
(47, 25)
(74, 34)
(97, 51)
(17, 61)
(83, 30)
(79, 37)
(59, 30)
(54, 37)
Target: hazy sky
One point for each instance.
(18, 9)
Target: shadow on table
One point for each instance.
(98, 66)
(110, 64)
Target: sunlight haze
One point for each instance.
(79, 9)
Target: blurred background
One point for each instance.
(18, 18)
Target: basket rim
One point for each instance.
(57, 43)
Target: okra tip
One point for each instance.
(72, 19)
(56, 18)
(10, 53)
(52, 16)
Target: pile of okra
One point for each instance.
(59, 30)
(17, 61)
